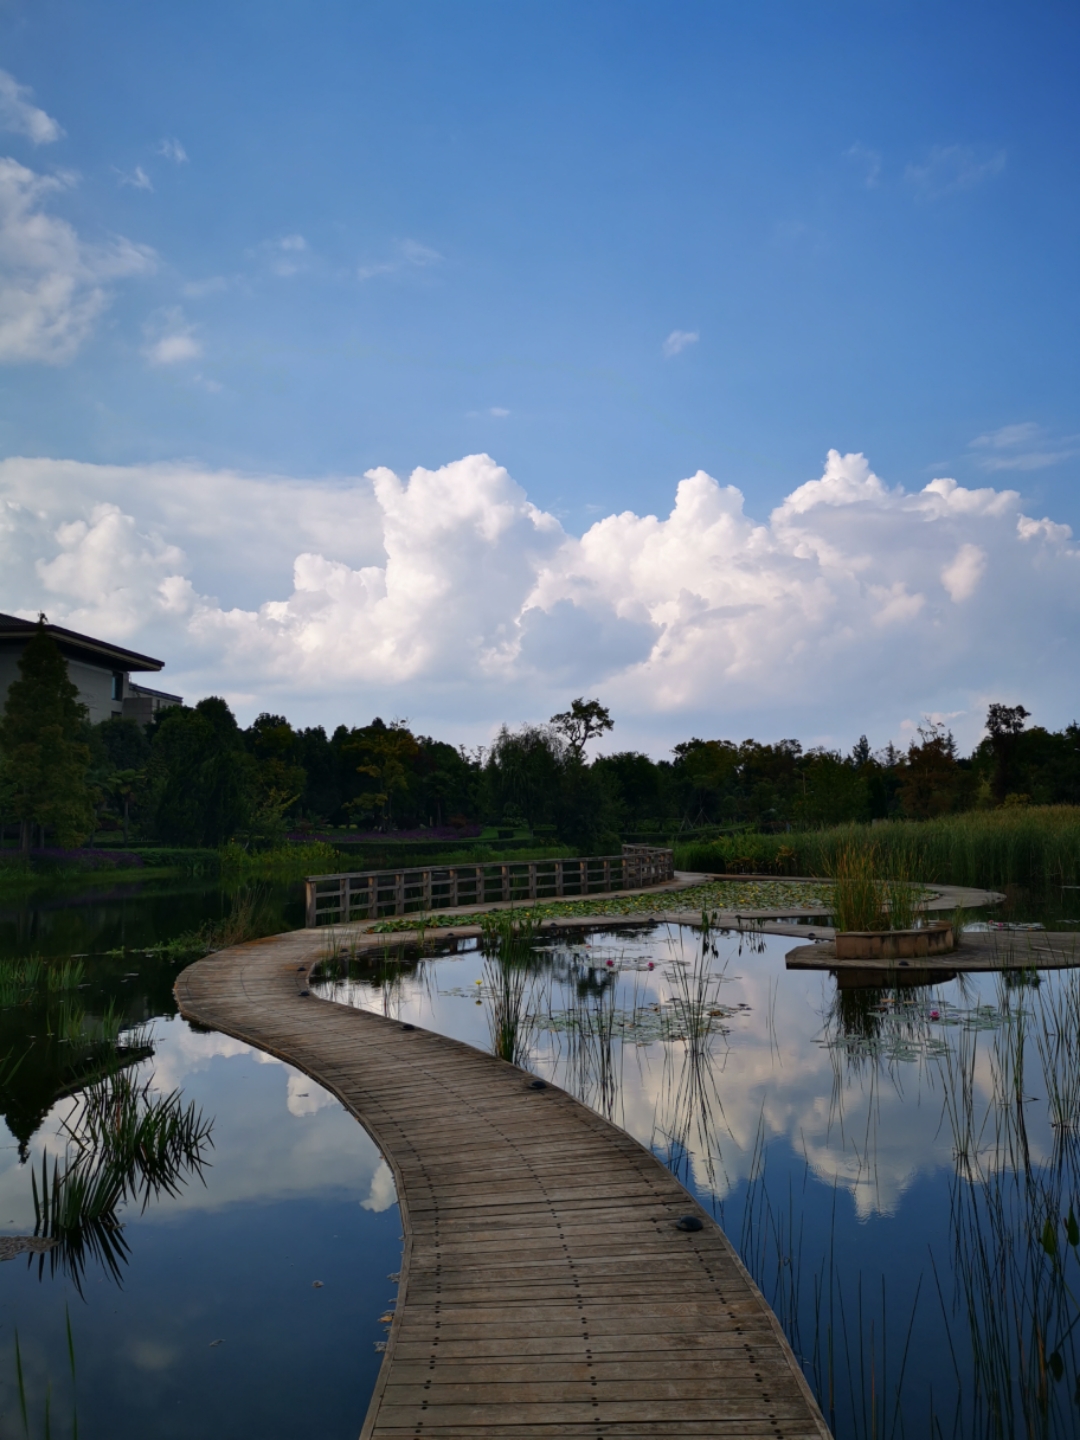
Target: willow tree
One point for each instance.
(43, 758)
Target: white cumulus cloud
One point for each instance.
(448, 596)
(53, 285)
(962, 575)
(170, 340)
(18, 113)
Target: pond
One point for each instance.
(83, 918)
(897, 1168)
(209, 1310)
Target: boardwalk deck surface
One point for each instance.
(545, 1289)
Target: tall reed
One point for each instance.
(1033, 846)
(507, 945)
(873, 890)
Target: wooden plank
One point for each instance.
(545, 1290)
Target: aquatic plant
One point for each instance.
(1034, 845)
(254, 911)
(21, 977)
(125, 1144)
(506, 943)
(873, 890)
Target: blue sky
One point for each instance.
(610, 245)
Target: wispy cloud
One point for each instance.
(137, 178)
(869, 160)
(52, 282)
(199, 289)
(171, 340)
(172, 150)
(678, 341)
(497, 411)
(18, 114)
(288, 255)
(1026, 446)
(410, 255)
(951, 168)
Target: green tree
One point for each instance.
(203, 778)
(932, 780)
(125, 786)
(387, 754)
(43, 755)
(581, 723)
(1004, 724)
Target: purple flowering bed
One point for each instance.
(437, 832)
(83, 858)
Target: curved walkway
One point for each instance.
(545, 1287)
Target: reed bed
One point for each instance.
(1032, 846)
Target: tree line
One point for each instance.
(195, 777)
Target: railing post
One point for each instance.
(607, 874)
(399, 893)
(558, 877)
(532, 879)
(343, 900)
(311, 918)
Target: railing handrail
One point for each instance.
(637, 866)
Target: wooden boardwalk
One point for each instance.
(545, 1287)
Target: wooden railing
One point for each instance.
(371, 894)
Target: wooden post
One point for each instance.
(558, 877)
(311, 915)
(532, 879)
(399, 893)
(607, 874)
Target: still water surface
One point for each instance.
(214, 1323)
(886, 1161)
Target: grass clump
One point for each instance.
(507, 944)
(872, 891)
(23, 976)
(1035, 846)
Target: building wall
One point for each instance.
(95, 690)
(94, 684)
